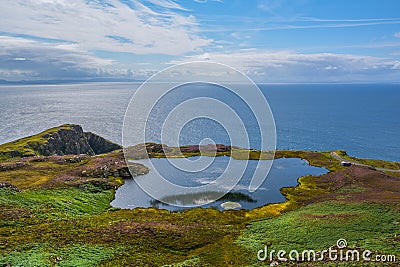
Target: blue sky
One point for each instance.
(269, 40)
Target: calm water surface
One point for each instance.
(284, 172)
(362, 119)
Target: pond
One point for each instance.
(284, 173)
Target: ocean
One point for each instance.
(362, 119)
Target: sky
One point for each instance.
(271, 41)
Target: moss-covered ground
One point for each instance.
(55, 211)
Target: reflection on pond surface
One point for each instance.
(201, 198)
(284, 173)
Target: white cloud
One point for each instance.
(397, 34)
(287, 66)
(240, 36)
(269, 5)
(105, 24)
(49, 39)
(278, 23)
(21, 58)
(166, 4)
(396, 65)
(205, 1)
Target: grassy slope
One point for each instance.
(372, 226)
(58, 222)
(22, 145)
(48, 224)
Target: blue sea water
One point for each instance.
(362, 119)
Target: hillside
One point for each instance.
(55, 211)
(66, 139)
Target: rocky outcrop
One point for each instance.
(75, 141)
(63, 140)
(110, 165)
(100, 145)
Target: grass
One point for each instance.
(68, 256)
(55, 204)
(75, 226)
(61, 216)
(319, 159)
(295, 197)
(318, 226)
(24, 146)
(376, 163)
(194, 262)
(141, 238)
(34, 175)
(314, 158)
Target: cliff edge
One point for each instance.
(67, 139)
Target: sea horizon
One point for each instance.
(309, 110)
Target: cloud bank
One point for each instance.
(21, 58)
(127, 26)
(69, 39)
(288, 66)
(59, 38)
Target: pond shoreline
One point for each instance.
(56, 210)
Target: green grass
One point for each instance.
(318, 226)
(194, 262)
(371, 162)
(68, 256)
(25, 145)
(56, 222)
(57, 204)
(318, 159)
(35, 257)
(80, 227)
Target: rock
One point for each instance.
(15, 153)
(123, 173)
(78, 158)
(63, 140)
(100, 145)
(157, 148)
(231, 205)
(8, 185)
